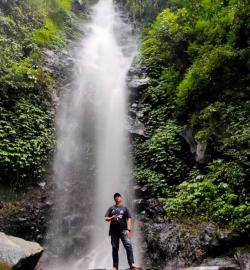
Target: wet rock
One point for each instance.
(221, 262)
(60, 63)
(242, 256)
(140, 191)
(80, 7)
(137, 81)
(27, 50)
(42, 184)
(197, 148)
(200, 151)
(1, 205)
(135, 110)
(178, 245)
(29, 217)
(173, 245)
(209, 268)
(18, 254)
(136, 128)
(135, 125)
(140, 204)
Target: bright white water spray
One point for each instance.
(92, 158)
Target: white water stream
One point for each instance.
(92, 158)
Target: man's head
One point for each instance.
(118, 198)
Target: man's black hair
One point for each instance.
(117, 195)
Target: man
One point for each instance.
(120, 227)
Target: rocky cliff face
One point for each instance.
(28, 216)
(171, 244)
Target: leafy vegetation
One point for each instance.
(26, 86)
(144, 11)
(160, 159)
(26, 139)
(196, 54)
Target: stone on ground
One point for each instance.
(18, 254)
(210, 268)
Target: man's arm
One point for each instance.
(129, 227)
(110, 218)
(129, 222)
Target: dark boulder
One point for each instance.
(137, 81)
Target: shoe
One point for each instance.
(134, 266)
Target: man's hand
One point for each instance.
(111, 218)
(114, 217)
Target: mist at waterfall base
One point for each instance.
(92, 161)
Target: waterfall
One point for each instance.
(92, 161)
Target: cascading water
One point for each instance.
(92, 158)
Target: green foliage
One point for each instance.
(57, 10)
(162, 154)
(145, 11)
(216, 195)
(25, 76)
(160, 97)
(196, 54)
(56, 14)
(26, 140)
(26, 128)
(200, 75)
(153, 181)
(48, 35)
(165, 42)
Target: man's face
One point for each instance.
(118, 199)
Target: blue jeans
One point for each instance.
(115, 238)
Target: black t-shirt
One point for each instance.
(121, 221)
